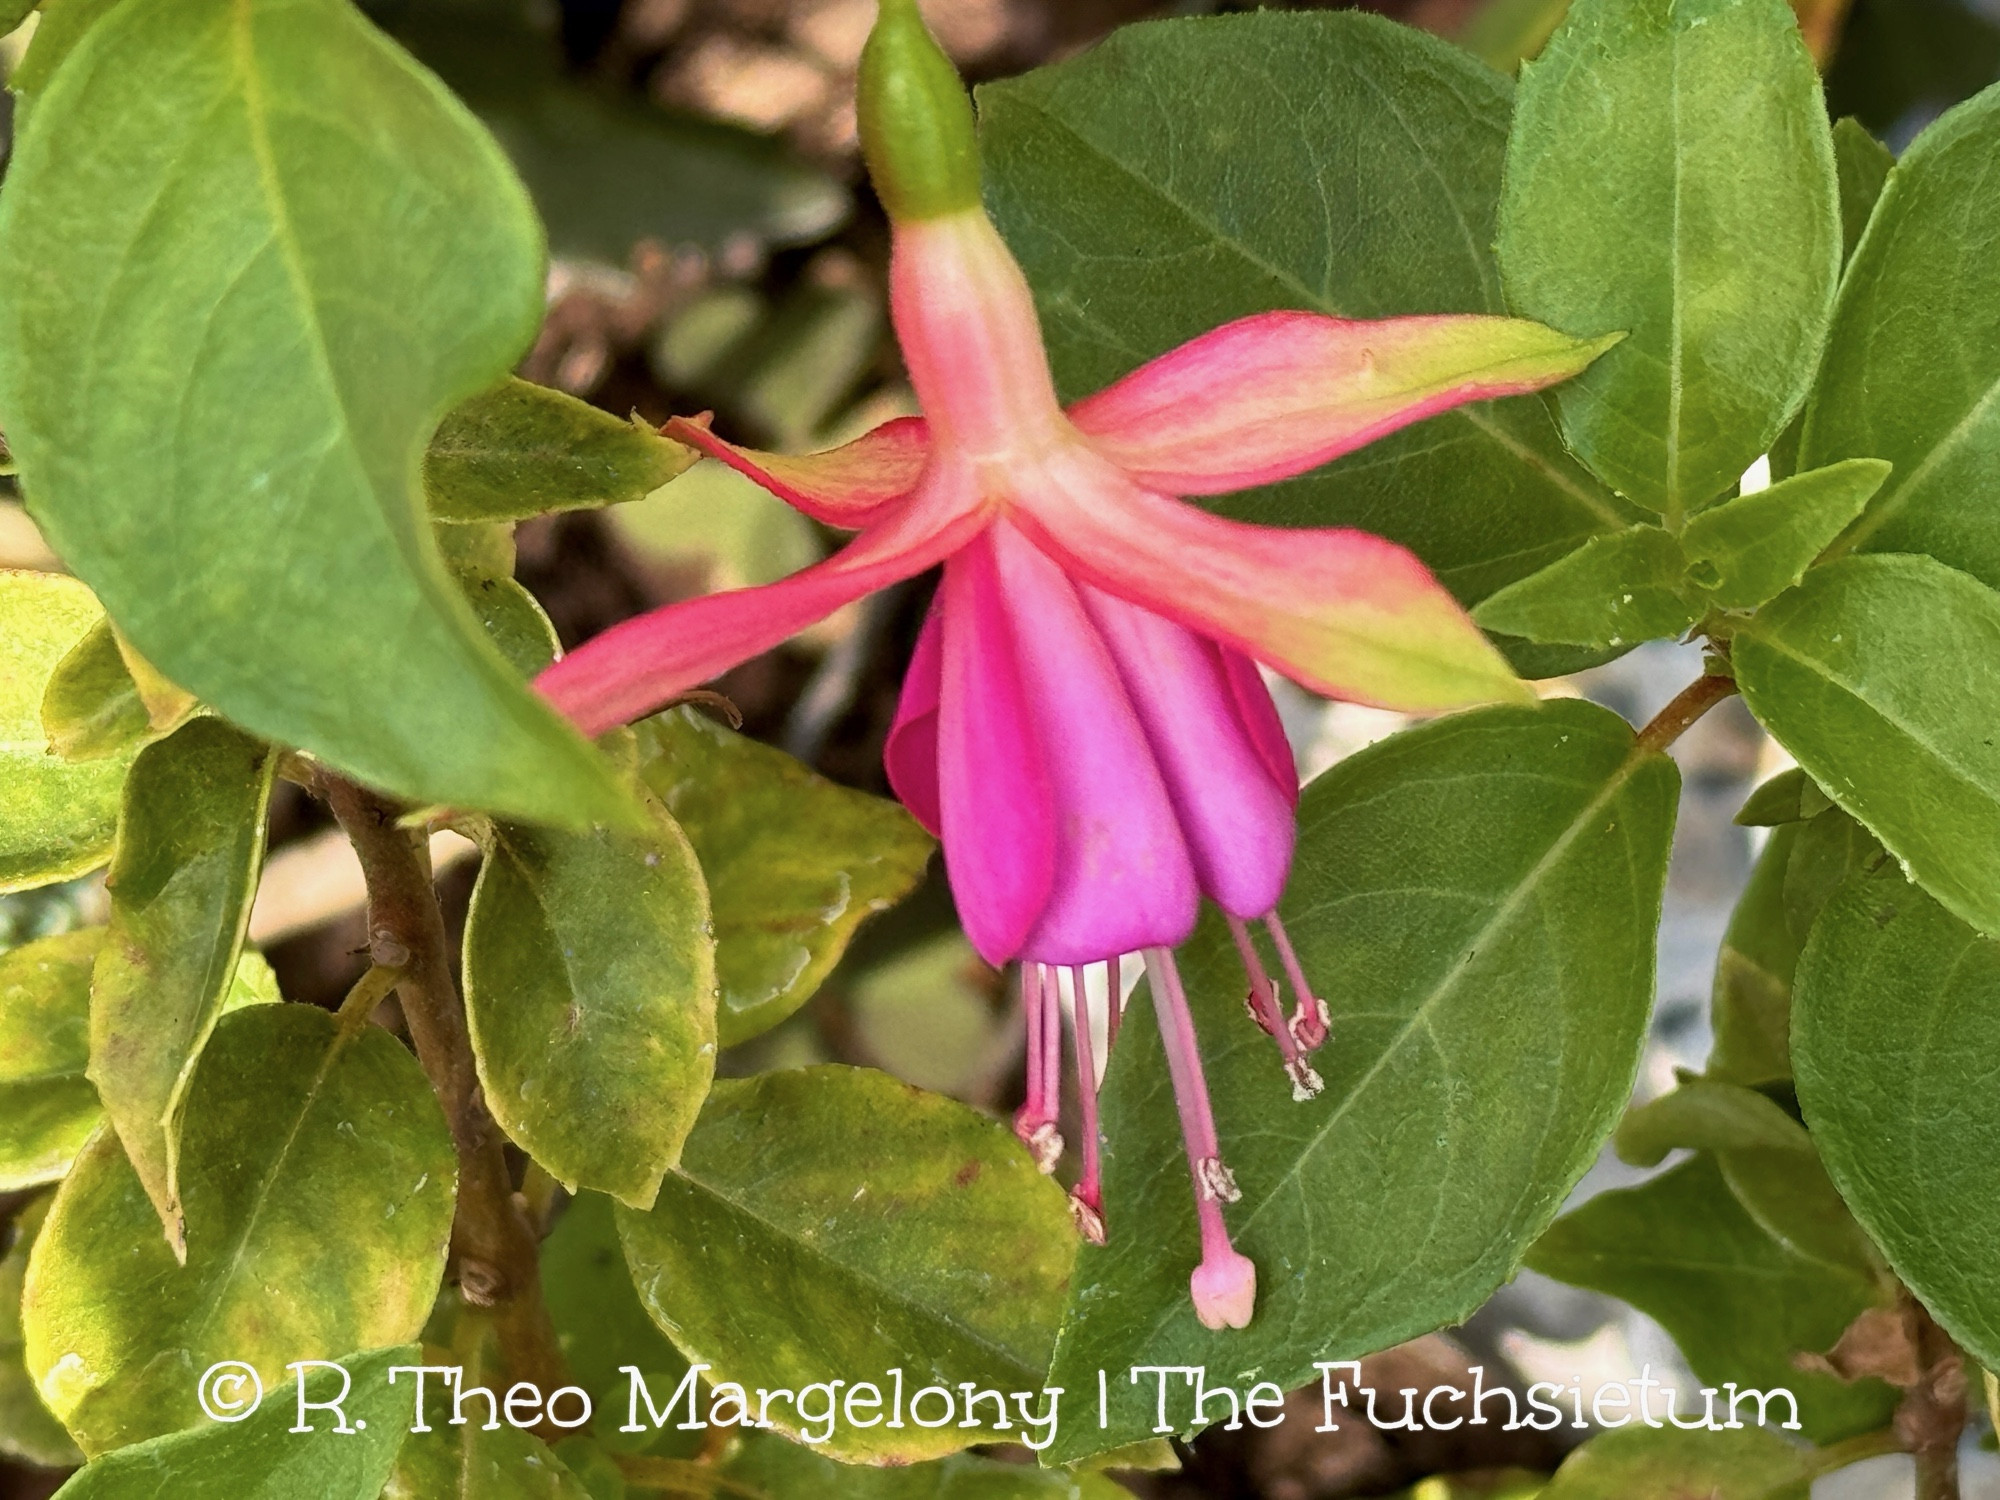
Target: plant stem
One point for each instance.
(1694, 700)
(493, 1244)
(1856, 1449)
(1931, 1418)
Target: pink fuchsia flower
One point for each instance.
(1083, 725)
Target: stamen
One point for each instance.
(1114, 988)
(1262, 1001)
(1086, 1199)
(1035, 1120)
(1224, 1285)
(1267, 1012)
(1309, 1021)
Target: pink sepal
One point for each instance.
(1342, 612)
(847, 487)
(1270, 396)
(644, 663)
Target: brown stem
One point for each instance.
(1931, 1418)
(493, 1243)
(1694, 700)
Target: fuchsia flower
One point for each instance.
(1083, 725)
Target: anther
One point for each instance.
(1214, 1181)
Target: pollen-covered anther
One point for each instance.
(1259, 1008)
(1089, 1217)
(1310, 1025)
(1306, 1083)
(1043, 1140)
(1215, 1182)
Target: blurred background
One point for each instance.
(715, 247)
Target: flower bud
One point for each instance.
(916, 120)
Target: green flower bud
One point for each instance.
(916, 120)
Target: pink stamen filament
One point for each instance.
(1087, 1197)
(1224, 1284)
(1052, 1031)
(1035, 1120)
(1309, 1018)
(1266, 1011)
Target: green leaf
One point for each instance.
(521, 450)
(47, 1106)
(927, 1014)
(1614, 590)
(1754, 547)
(1670, 174)
(1707, 1115)
(1140, 154)
(1789, 797)
(1739, 1302)
(513, 620)
(590, 989)
(1751, 1007)
(190, 843)
(1912, 367)
(91, 707)
(299, 255)
(1660, 1463)
(1506, 33)
(1881, 675)
(602, 1324)
(1766, 1157)
(720, 526)
(794, 863)
(471, 1463)
(1830, 848)
(1898, 1013)
(260, 1458)
(772, 1469)
(28, 1429)
(1489, 997)
(56, 820)
(832, 1223)
(62, 25)
(1862, 165)
(314, 1160)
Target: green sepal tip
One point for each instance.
(916, 119)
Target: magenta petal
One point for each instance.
(1260, 717)
(642, 664)
(997, 819)
(911, 754)
(1236, 816)
(1123, 876)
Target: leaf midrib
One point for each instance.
(1892, 504)
(1825, 673)
(1420, 1016)
(1479, 419)
(336, 1047)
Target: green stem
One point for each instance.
(494, 1247)
(1857, 1449)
